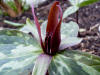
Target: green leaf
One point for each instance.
(13, 23)
(70, 10)
(19, 66)
(41, 65)
(67, 29)
(76, 2)
(13, 42)
(69, 41)
(16, 36)
(18, 51)
(81, 3)
(87, 2)
(74, 63)
(85, 58)
(30, 27)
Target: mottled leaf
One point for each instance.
(74, 63)
(85, 58)
(76, 2)
(69, 41)
(30, 27)
(18, 52)
(81, 3)
(67, 29)
(13, 23)
(70, 10)
(41, 65)
(19, 66)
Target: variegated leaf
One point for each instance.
(30, 27)
(85, 58)
(19, 66)
(18, 52)
(81, 3)
(70, 10)
(67, 29)
(13, 23)
(76, 2)
(69, 41)
(74, 63)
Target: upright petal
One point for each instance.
(53, 38)
(37, 25)
(53, 18)
(56, 38)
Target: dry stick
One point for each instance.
(77, 14)
(19, 6)
(9, 10)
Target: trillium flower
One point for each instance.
(51, 43)
(53, 38)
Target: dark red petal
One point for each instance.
(53, 18)
(56, 38)
(37, 25)
(53, 38)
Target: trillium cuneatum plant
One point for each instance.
(45, 52)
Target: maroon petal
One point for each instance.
(37, 25)
(53, 18)
(56, 38)
(53, 38)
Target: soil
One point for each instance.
(88, 20)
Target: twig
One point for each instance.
(19, 6)
(77, 14)
(93, 27)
